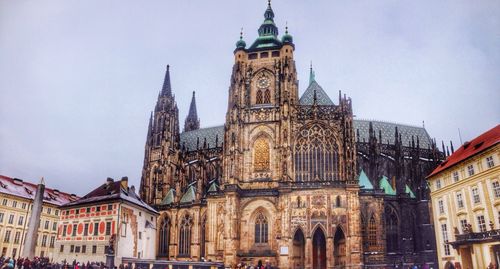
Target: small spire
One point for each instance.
(42, 181)
(312, 75)
(192, 121)
(241, 34)
(286, 27)
(167, 88)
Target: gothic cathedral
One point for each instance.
(289, 179)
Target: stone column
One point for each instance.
(34, 222)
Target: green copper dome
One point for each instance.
(268, 32)
(287, 38)
(241, 44)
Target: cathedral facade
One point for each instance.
(288, 179)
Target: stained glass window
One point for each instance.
(315, 155)
(185, 236)
(261, 229)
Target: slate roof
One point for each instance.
(322, 99)
(486, 140)
(112, 190)
(27, 190)
(388, 130)
(189, 139)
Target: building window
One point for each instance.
(84, 248)
(52, 241)
(140, 235)
(108, 228)
(261, 155)
(47, 223)
(88, 210)
(49, 210)
(20, 221)
(185, 236)
(14, 204)
(11, 219)
(71, 248)
(460, 200)
(475, 195)
(61, 248)
(4, 202)
(496, 188)
(96, 228)
(77, 249)
(441, 206)
(110, 207)
(57, 212)
(261, 229)
(455, 176)
(470, 170)
(86, 229)
(444, 231)
(463, 225)
(316, 155)
(44, 240)
(372, 232)
(392, 233)
(94, 249)
(481, 223)
(489, 162)
(258, 97)
(23, 205)
(1, 217)
(438, 184)
(17, 236)
(164, 237)
(65, 227)
(6, 238)
(98, 208)
(74, 230)
(54, 226)
(267, 96)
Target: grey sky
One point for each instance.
(78, 79)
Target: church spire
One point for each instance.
(192, 121)
(312, 75)
(167, 88)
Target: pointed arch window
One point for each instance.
(164, 238)
(261, 229)
(203, 228)
(316, 155)
(185, 236)
(267, 97)
(261, 155)
(372, 233)
(259, 98)
(391, 224)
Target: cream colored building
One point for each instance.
(16, 197)
(465, 193)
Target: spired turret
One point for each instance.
(192, 121)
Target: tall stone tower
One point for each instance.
(263, 92)
(162, 145)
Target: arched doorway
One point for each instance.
(299, 246)
(319, 249)
(339, 251)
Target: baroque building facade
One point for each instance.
(289, 179)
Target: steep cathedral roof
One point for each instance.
(192, 140)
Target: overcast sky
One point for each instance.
(78, 79)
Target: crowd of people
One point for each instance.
(45, 263)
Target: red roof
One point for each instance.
(469, 149)
(27, 190)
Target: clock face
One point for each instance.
(263, 82)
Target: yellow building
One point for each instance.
(465, 193)
(16, 197)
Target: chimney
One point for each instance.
(109, 181)
(124, 183)
(132, 189)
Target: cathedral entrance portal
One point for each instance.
(299, 246)
(339, 249)
(319, 250)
